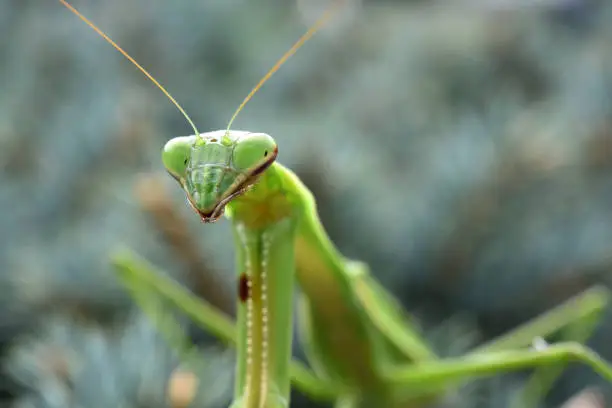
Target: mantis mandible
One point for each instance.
(362, 349)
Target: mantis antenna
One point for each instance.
(133, 61)
(311, 31)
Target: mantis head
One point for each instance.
(216, 167)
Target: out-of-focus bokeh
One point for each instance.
(463, 150)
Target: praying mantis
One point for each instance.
(363, 350)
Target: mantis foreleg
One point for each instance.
(142, 280)
(588, 303)
(589, 306)
(387, 315)
(580, 312)
(166, 324)
(409, 380)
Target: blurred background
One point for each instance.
(463, 149)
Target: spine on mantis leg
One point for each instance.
(264, 265)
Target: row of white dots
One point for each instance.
(264, 317)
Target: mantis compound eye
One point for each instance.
(254, 151)
(175, 155)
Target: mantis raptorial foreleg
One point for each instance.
(583, 306)
(581, 311)
(387, 314)
(144, 282)
(576, 318)
(457, 370)
(161, 317)
(586, 310)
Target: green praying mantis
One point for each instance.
(363, 349)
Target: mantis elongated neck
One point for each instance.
(324, 276)
(264, 232)
(323, 273)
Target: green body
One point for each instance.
(265, 255)
(264, 340)
(355, 334)
(278, 233)
(342, 343)
(219, 169)
(327, 302)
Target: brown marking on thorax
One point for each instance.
(243, 287)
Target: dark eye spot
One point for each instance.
(266, 153)
(185, 162)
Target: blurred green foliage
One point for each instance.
(463, 152)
